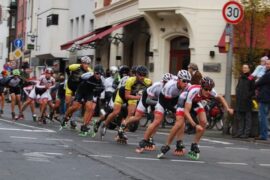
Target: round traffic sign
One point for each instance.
(233, 12)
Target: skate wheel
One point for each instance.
(179, 153)
(160, 155)
(139, 150)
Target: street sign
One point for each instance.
(233, 12)
(17, 54)
(18, 43)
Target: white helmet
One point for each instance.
(113, 69)
(184, 74)
(166, 77)
(85, 60)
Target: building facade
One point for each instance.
(165, 36)
(80, 23)
(4, 29)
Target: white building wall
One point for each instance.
(51, 37)
(202, 19)
(4, 32)
(80, 22)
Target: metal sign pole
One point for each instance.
(228, 82)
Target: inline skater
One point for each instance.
(129, 93)
(167, 100)
(149, 98)
(15, 83)
(88, 91)
(195, 97)
(74, 72)
(124, 75)
(3, 81)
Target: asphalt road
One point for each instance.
(30, 151)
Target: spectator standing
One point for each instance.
(196, 76)
(260, 69)
(245, 90)
(263, 85)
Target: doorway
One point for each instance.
(179, 54)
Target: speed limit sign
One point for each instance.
(233, 12)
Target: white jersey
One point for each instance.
(195, 96)
(108, 84)
(43, 82)
(154, 90)
(171, 90)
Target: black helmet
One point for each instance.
(133, 69)
(124, 70)
(99, 69)
(142, 71)
(207, 82)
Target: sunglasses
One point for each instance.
(207, 89)
(185, 81)
(97, 73)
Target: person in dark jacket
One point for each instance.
(263, 85)
(245, 90)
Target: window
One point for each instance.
(13, 22)
(82, 24)
(52, 19)
(77, 27)
(91, 25)
(71, 28)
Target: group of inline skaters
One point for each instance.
(89, 88)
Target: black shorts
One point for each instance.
(168, 103)
(83, 94)
(15, 90)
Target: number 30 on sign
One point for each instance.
(232, 12)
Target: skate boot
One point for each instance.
(42, 120)
(163, 151)
(34, 116)
(13, 115)
(194, 152)
(180, 148)
(151, 146)
(96, 124)
(19, 117)
(103, 131)
(51, 116)
(84, 131)
(64, 123)
(142, 146)
(121, 136)
(73, 125)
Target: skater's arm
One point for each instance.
(188, 115)
(224, 103)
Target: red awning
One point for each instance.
(264, 43)
(70, 43)
(102, 34)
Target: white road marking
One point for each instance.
(265, 150)
(54, 139)
(23, 130)
(236, 148)
(101, 142)
(206, 146)
(162, 133)
(138, 158)
(264, 165)
(41, 156)
(103, 156)
(64, 145)
(187, 161)
(21, 137)
(29, 126)
(215, 141)
(232, 163)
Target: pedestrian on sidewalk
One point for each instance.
(245, 90)
(263, 85)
